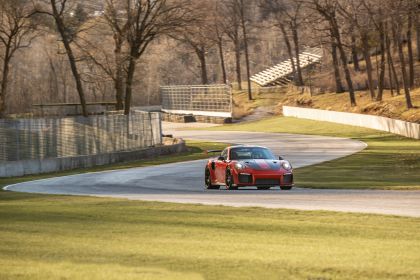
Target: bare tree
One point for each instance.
(200, 36)
(355, 13)
(219, 37)
(328, 10)
(398, 8)
(410, 19)
(16, 32)
(392, 72)
(417, 25)
(109, 29)
(294, 15)
(336, 65)
(276, 8)
(220, 44)
(243, 7)
(375, 13)
(238, 32)
(231, 27)
(119, 27)
(355, 53)
(58, 10)
(149, 19)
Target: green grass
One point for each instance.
(63, 237)
(196, 152)
(390, 161)
(57, 237)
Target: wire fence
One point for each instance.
(212, 98)
(25, 139)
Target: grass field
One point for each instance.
(390, 161)
(56, 237)
(62, 237)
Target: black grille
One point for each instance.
(288, 179)
(244, 178)
(269, 182)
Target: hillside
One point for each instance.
(272, 101)
(391, 106)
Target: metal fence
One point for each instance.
(25, 139)
(212, 100)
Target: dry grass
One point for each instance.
(243, 107)
(391, 106)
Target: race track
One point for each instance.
(183, 182)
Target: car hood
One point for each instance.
(261, 164)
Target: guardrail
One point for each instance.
(407, 129)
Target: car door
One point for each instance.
(221, 165)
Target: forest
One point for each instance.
(121, 51)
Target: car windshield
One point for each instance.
(250, 153)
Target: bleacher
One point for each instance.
(281, 74)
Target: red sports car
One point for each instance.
(242, 166)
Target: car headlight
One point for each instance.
(239, 166)
(286, 165)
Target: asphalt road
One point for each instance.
(183, 182)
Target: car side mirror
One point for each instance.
(221, 158)
(281, 158)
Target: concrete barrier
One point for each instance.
(407, 129)
(50, 165)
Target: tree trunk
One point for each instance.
(369, 68)
(119, 77)
(289, 50)
(201, 53)
(410, 49)
(405, 79)
(222, 60)
(129, 84)
(55, 86)
(391, 66)
(238, 64)
(381, 78)
(354, 54)
(344, 61)
(418, 35)
(391, 83)
(72, 60)
(245, 36)
(4, 81)
(338, 83)
(297, 55)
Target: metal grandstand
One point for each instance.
(282, 73)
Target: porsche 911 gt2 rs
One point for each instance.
(244, 166)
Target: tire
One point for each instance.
(229, 181)
(264, 188)
(286, 188)
(207, 181)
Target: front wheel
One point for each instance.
(285, 188)
(207, 180)
(229, 181)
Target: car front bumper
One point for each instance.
(263, 179)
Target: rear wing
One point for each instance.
(212, 151)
